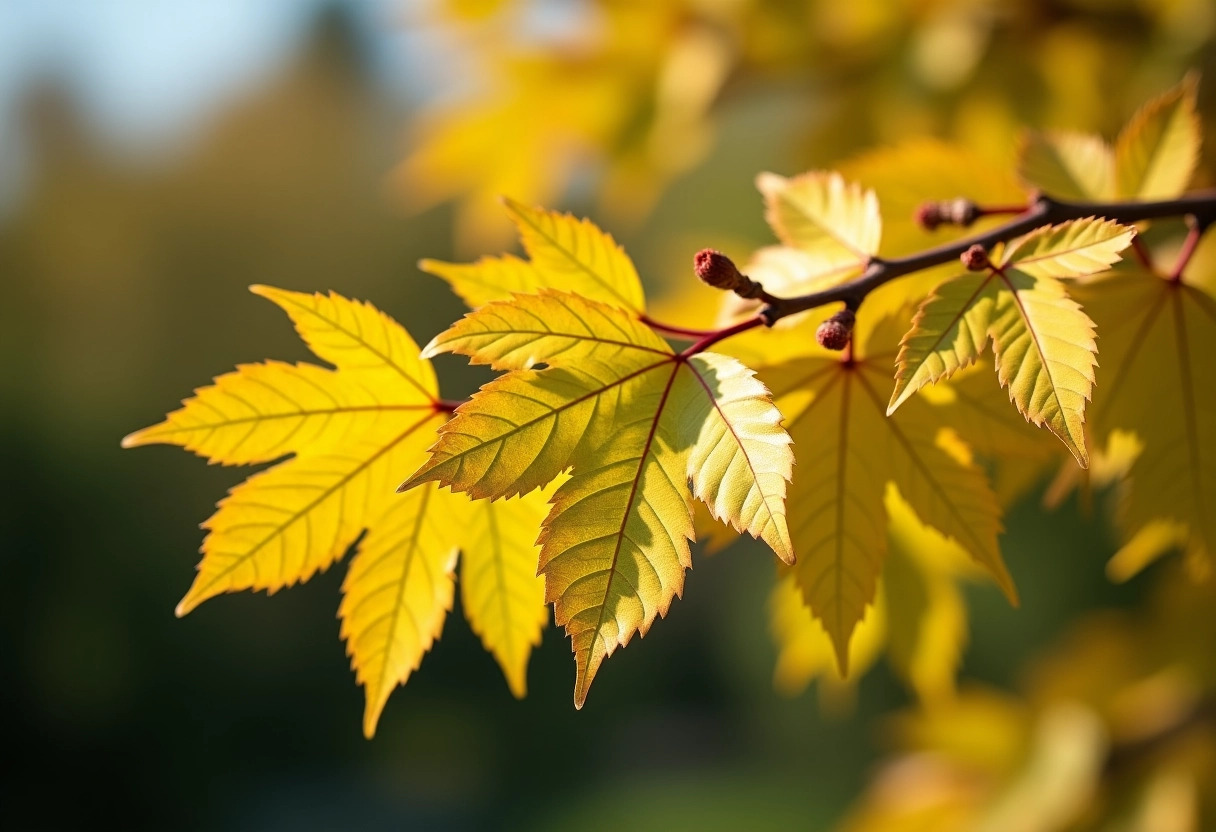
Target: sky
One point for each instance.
(145, 74)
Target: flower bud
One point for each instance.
(717, 270)
(835, 332)
(975, 259)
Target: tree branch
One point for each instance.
(1045, 210)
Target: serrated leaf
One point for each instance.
(822, 215)
(1070, 249)
(352, 431)
(576, 256)
(1158, 339)
(565, 253)
(804, 650)
(615, 545)
(1043, 341)
(1156, 153)
(502, 596)
(636, 423)
(741, 459)
(398, 593)
(521, 430)
(263, 411)
(848, 453)
(918, 619)
(1067, 165)
(556, 328)
(488, 279)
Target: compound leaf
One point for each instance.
(1044, 343)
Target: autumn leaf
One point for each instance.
(1157, 378)
(918, 620)
(826, 218)
(643, 428)
(351, 431)
(1156, 153)
(1154, 156)
(1067, 165)
(1043, 341)
(848, 453)
(565, 253)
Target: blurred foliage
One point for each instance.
(1112, 729)
(614, 99)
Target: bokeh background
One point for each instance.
(156, 159)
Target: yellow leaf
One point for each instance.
(353, 431)
(502, 596)
(615, 546)
(398, 593)
(566, 253)
(263, 411)
(1070, 249)
(1158, 339)
(1067, 165)
(489, 279)
(522, 429)
(636, 423)
(350, 437)
(822, 215)
(1044, 343)
(741, 459)
(1157, 151)
(556, 328)
(848, 452)
(804, 650)
(574, 255)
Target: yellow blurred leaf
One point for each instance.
(848, 453)
(1156, 381)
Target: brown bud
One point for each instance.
(975, 259)
(835, 332)
(717, 270)
(961, 212)
(928, 215)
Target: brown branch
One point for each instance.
(1200, 206)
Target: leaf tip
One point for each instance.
(840, 646)
(518, 685)
(432, 349)
(133, 440)
(371, 717)
(899, 395)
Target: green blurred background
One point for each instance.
(153, 164)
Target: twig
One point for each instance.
(1045, 210)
